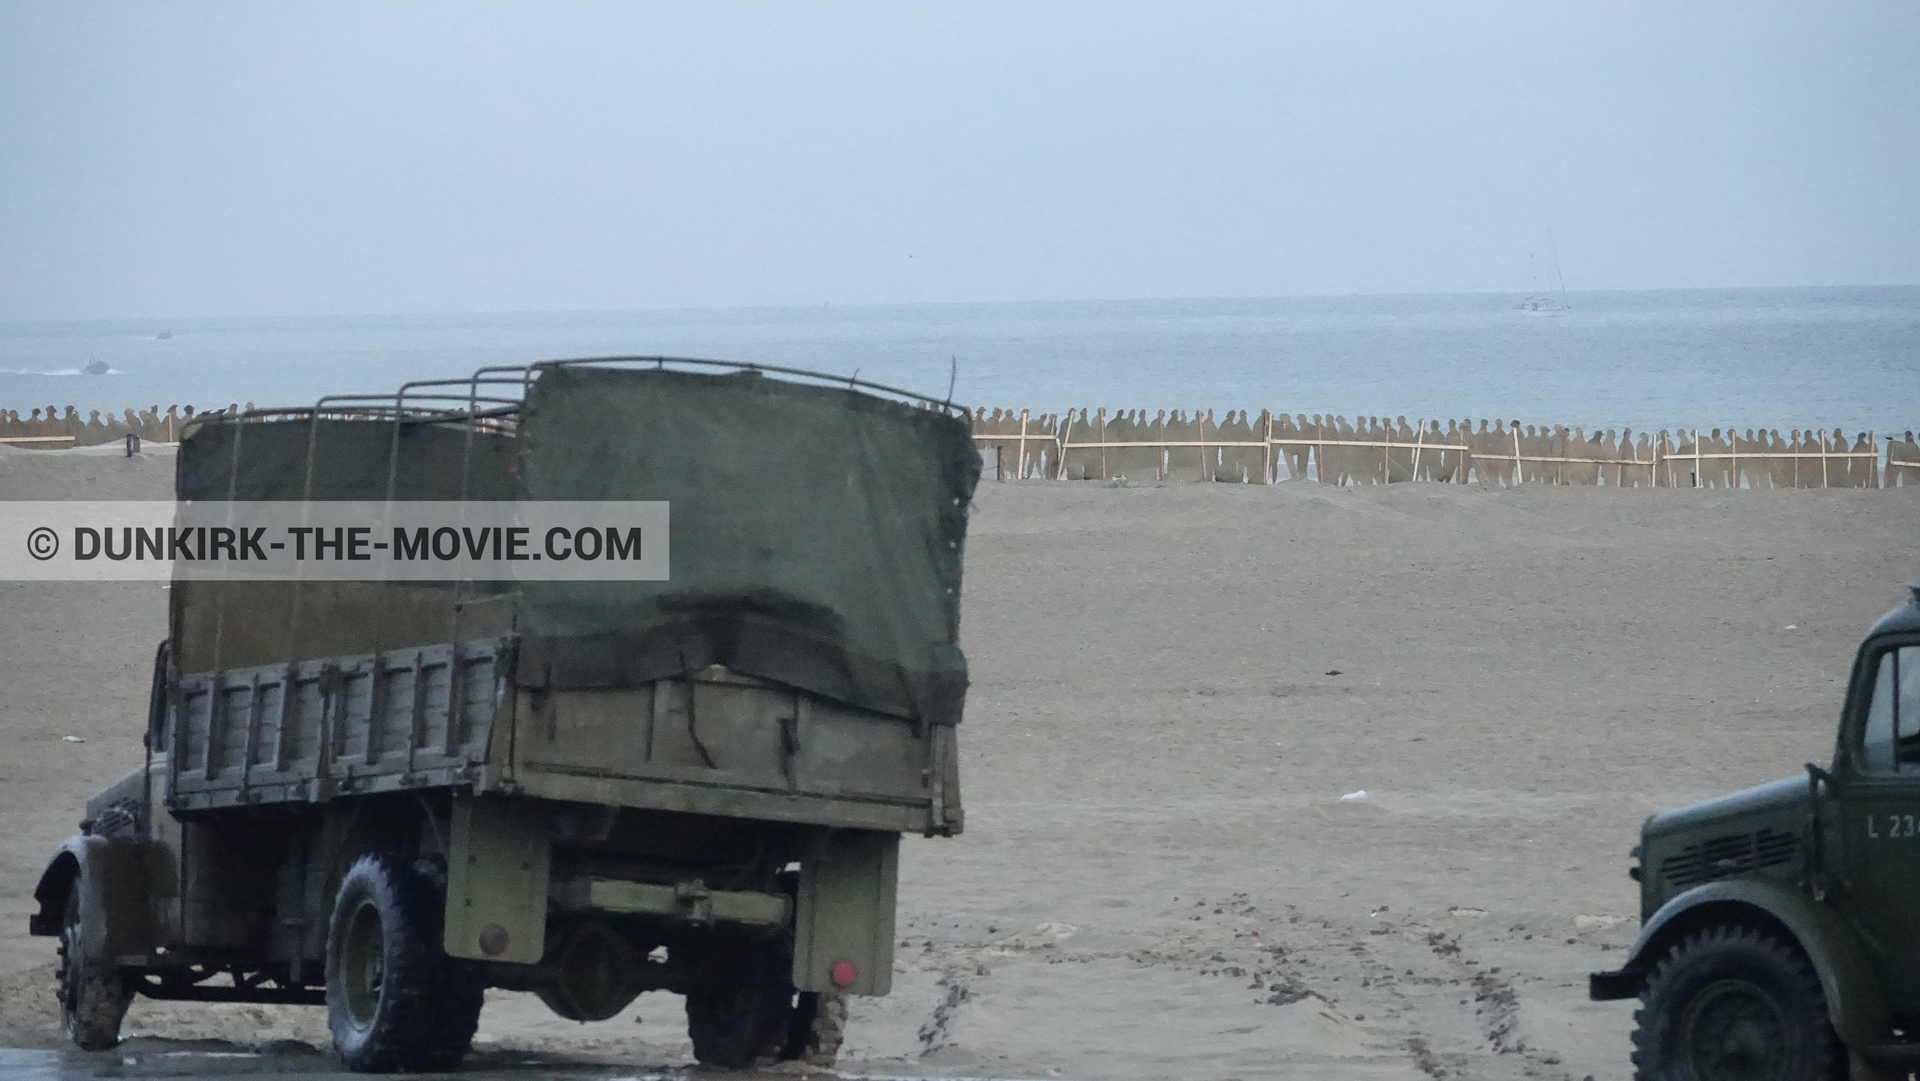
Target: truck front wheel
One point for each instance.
(93, 995)
(1735, 1003)
(395, 1000)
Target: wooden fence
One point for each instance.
(1271, 448)
(1274, 447)
(59, 433)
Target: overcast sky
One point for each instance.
(270, 158)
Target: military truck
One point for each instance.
(384, 797)
(1780, 934)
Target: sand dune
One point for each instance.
(1159, 878)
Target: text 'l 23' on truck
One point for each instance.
(387, 796)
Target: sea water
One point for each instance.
(1785, 358)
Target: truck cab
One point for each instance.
(1779, 937)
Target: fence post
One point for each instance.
(1266, 460)
(1200, 429)
(1101, 418)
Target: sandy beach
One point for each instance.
(1174, 687)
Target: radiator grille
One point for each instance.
(1723, 857)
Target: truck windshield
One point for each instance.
(1891, 742)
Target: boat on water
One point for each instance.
(96, 366)
(1552, 298)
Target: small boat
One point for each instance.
(165, 335)
(1553, 299)
(96, 366)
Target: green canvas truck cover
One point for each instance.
(816, 536)
(235, 624)
(350, 458)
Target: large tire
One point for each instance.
(93, 994)
(1735, 1003)
(819, 1024)
(741, 1009)
(395, 1000)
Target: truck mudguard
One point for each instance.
(843, 929)
(1854, 998)
(498, 858)
(111, 876)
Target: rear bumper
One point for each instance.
(1607, 986)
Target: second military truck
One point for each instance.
(384, 797)
(1780, 926)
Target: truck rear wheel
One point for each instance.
(741, 1009)
(395, 1000)
(747, 1011)
(1735, 1003)
(819, 1024)
(93, 995)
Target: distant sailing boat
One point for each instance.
(1553, 299)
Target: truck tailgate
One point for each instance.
(720, 743)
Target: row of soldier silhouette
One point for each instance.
(1274, 447)
(52, 428)
(1378, 450)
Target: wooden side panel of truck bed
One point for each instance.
(310, 730)
(439, 716)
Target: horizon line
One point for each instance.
(828, 304)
